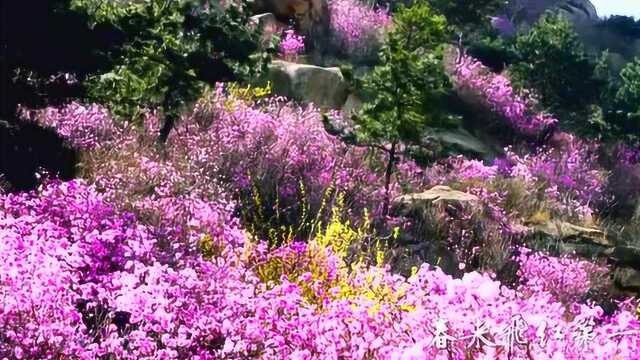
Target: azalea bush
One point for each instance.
(252, 232)
(569, 174)
(496, 91)
(270, 155)
(567, 279)
(357, 28)
(109, 290)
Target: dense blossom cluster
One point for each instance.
(282, 151)
(291, 45)
(356, 27)
(148, 257)
(569, 174)
(81, 279)
(497, 91)
(567, 279)
(82, 126)
(563, 181)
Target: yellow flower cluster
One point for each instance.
(249, 94)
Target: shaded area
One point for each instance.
(27, 148)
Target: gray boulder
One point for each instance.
(627, 279)
(525, 13)
(568, 232)
(561, 237)
(460, 141)
(625, 256)
(437, 194)
(351, 106)
(324, 87)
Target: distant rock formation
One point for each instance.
(525, 13)
(618, 34)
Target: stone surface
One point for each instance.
(625, 256)
(627, 279)
(567, 232)
(461, 141)
(416, 203)
(311, 17)
(351, 106)
(325, 87)
(439, 193)
(526, 12)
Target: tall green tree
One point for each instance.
(471, 18)
(623, 110)
(404, 94)
(172, 50)
(552, 61)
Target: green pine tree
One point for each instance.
(405, 93)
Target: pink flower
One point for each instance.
(291, 45)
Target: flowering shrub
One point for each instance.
(568, 174)
(82, 126)
(565, 278)
(279, 160)
(500, 96)
(147, 257)
(108, 290)
(291, 45)
(356, 27)
(80, 278)
(271, 155)
(563, 182)
(479, 232)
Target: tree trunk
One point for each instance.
(387, 178)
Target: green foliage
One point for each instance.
(628, 94)
(625, 107)
(465, 15)
(551, 60)
(405, 92)
(173, 49)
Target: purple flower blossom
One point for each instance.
(291, 45)
(499, 95)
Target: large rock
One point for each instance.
(461, 141)
(438, 193)
(325, 87)
(526, 12)
(567, 232)
(414, 204)
(627, 279)
(351, 106)
(625, 256)
(561, 237)
(311, 17)
(413, 249)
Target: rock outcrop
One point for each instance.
(560, 237)
(325, 87)
(268, 23)
(627, 279)
(436, 194)
(310, 17)
(525, 13)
